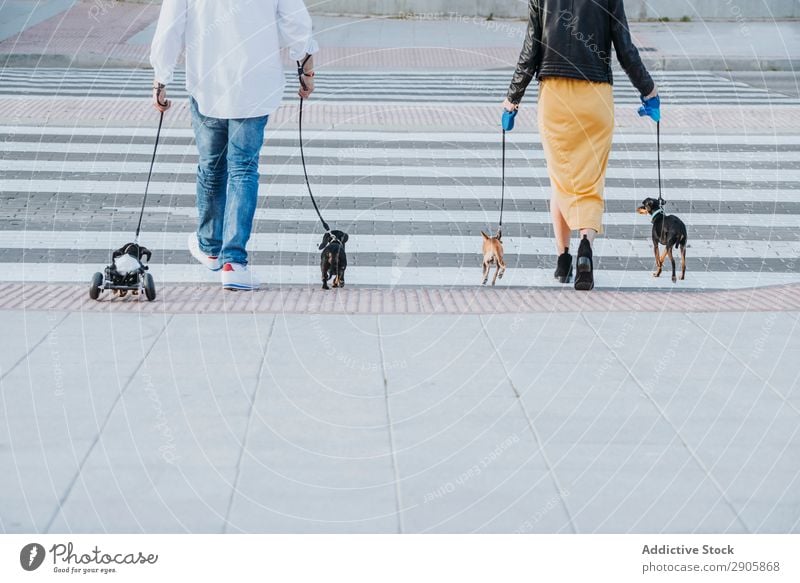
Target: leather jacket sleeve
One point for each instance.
(627, 54)
(530, 55)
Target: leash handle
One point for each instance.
(149, 176)
(661, 200)
(301, 71)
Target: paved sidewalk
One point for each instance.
(579, 422)
(91, 34)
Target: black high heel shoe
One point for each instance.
(584, 280)
(564, 267)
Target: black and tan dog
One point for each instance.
(668, 230)
(334, 259)
(493, 253)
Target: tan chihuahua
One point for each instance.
(493, 253)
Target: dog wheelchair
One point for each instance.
(128, 272)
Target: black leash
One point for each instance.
(300, 74)
(661, 200)
(149, 176)
(503, 184)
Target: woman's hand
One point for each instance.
(508, 106)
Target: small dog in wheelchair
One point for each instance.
(126, 273)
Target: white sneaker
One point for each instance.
(238, 276)
(213, 263)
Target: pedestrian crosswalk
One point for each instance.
(413, 202)
(468, 87)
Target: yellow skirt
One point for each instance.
(576, 122)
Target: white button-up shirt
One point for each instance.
(233, 62)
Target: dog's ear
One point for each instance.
(344, 238)
(325, 240)
(485, 236)
(499, 236)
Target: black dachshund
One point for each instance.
(334, 259)
(668, 230)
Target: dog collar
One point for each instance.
(655, 214)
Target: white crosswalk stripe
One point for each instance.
(414, 202)
(479, 87)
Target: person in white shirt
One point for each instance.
(235, 80)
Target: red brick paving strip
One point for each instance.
(98, 30)
(363, 300)
(94, 33)
(70, 111)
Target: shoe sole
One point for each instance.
(565, 279)
(584, 281)
(203, 262)
(239, 287)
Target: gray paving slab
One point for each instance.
(21, 332)
(517, 423)
(605, 442)
(725, 415)
(56, 402)
(173, 441)
(169, 500)
(481, 473)
(318, 453)
(768, 345)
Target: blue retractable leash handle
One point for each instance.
(508, 120)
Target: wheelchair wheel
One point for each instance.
(97, 283)
(149, 287)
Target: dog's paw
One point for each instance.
(674, 279)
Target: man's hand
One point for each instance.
(508, 106)
(160, 101)
(306, 87)
(307, 77)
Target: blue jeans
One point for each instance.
(227, 182)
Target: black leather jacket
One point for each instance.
(573, 38)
